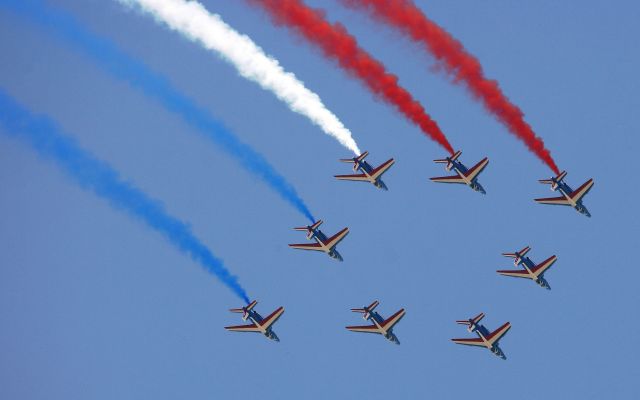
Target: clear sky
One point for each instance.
(93, 305)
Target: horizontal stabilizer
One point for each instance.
(524, 251)
(448, 159)
(517, 256)
(357, 159)
(369, 308)
(309, 227)
(471, 321)
(362, 156)
(552, 181)
(243, 309)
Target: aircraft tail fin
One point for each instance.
(554, 181)
(449, 160)
(370, 307)
(524, 251)
(309, 228)
(471, 322)
(366, 311)
(306, 228)
(244, 310)
(356, 160)
(517, 256)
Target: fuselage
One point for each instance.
(257, 319)
(321, 239)
(387, 333)
(529, 266)
(482, 333)
(367, 170)
(566, 191)
(462, 170)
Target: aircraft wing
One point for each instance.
(498, 333)
(354, 177)
(476, 169)
(243, 328)
(335, 239)
(272, 318)
(558, 201)
(543, 266)
(469, 342)
(307, 246)
(518, 273)
(376, 173)
(365, 329)
(394, 319)
(449, 179)
(582, 190)
(478, 317)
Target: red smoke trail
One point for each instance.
(405, 16)
(338, 44)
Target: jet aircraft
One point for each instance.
(380, 325)
(463, 175)
(569, 196)
(485, 338)
(324, 244)
(368, 173)
(258, 324)
(531, 270)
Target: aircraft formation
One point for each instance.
(254, 64)
(378, 324)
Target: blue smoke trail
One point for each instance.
(97, 176)
(118, 63)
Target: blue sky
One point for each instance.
(95, 305)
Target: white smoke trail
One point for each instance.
(193, 21)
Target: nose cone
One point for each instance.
(392, 338)
(273, 336)
(478, 188)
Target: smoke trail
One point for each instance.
(336, 43)
(119, 64)
(193, 21)
(98, 177)
(405, 16)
